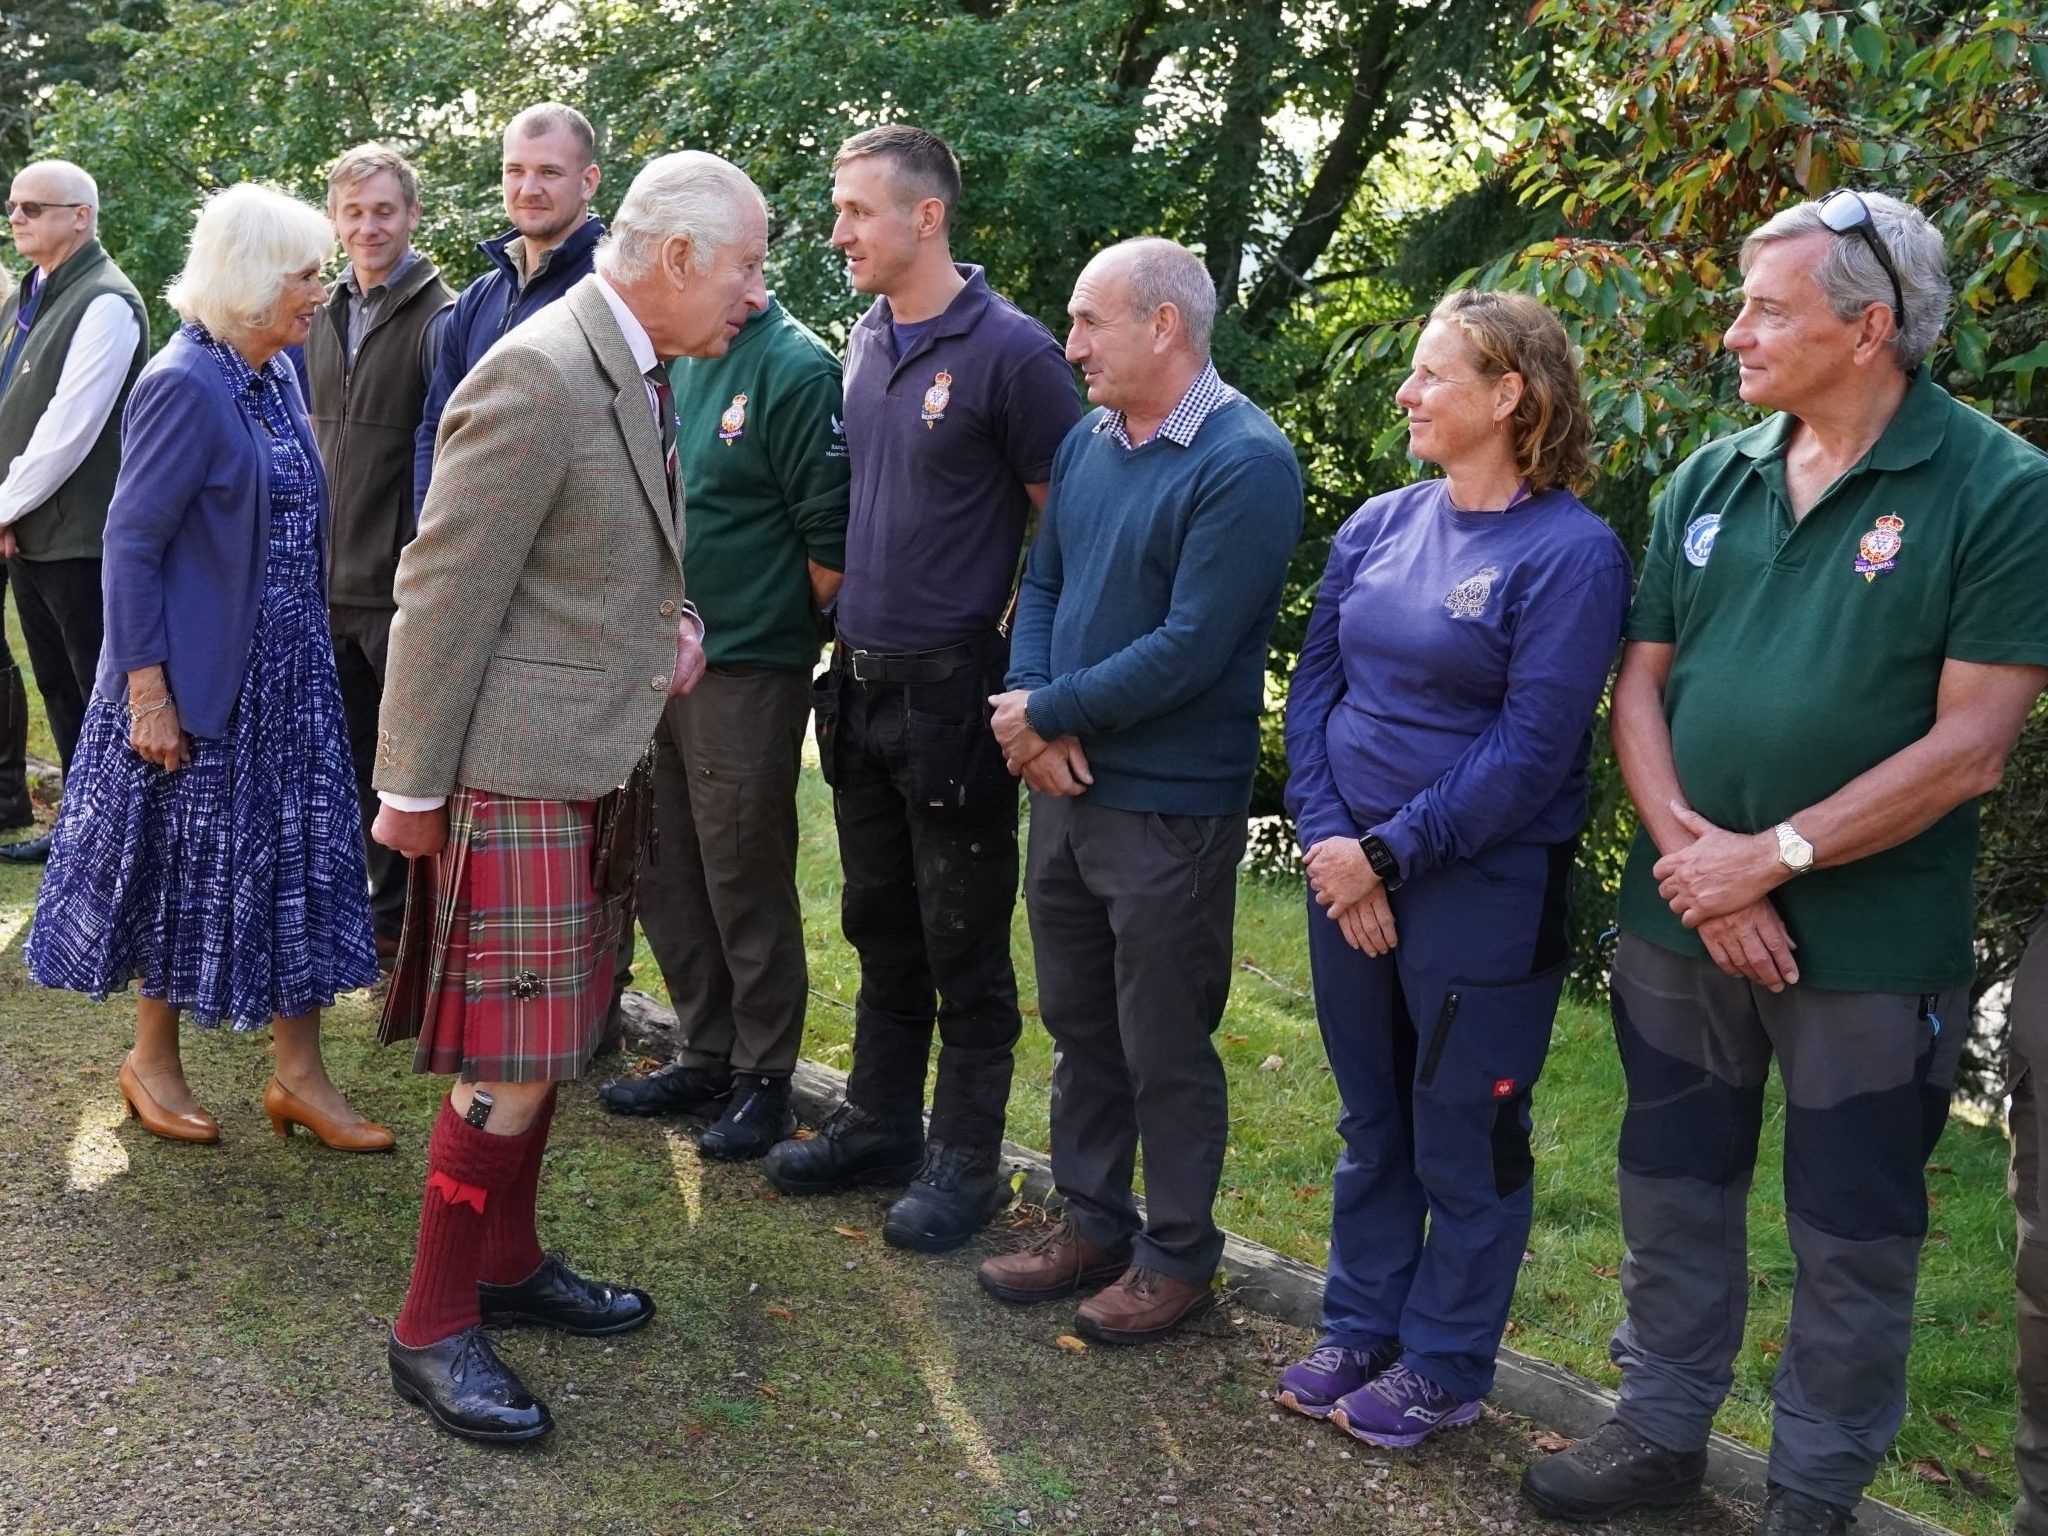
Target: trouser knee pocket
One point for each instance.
(1485, 1046)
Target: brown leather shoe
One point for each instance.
(1060, 1262)
(1141, 1306)
(286, 1109)
(158, 1121)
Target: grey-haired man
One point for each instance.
(1835, 641)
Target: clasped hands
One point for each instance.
(1719, 885)
(1055, 767)
(1344, 881)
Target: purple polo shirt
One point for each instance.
(939, 464)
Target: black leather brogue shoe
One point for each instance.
(467, 1390)
(555, 1296)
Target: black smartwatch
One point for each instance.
(1382, 860)
(480, 1106)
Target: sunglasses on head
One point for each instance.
(1845, 213)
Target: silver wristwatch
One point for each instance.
(1794, 851)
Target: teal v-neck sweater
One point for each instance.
(1147, 603)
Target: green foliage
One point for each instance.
(1338, 162)
(1245, 130)
(1656, 138)
(272, 90)
(46, 43)
(1662, 135)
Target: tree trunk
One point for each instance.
(1251, 92)
(1370, 120)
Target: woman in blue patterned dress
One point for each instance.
(209, 845)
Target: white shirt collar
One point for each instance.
(635, 333)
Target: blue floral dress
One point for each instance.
(233, 888)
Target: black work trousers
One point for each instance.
(927, 818)
(15, 808)
(362, 639)
(62, 620)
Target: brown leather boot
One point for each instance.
(1058, 1264)
(1142, 1305)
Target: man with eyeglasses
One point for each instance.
(75, 337)
(1835, 641)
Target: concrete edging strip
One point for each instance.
(1284, 1288)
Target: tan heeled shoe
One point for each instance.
(197, 1126)
(286, 1109)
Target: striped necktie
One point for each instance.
(665, 409)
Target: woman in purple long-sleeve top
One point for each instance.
(1438, 728)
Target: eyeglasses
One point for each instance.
(1845, 213)
(29, 210)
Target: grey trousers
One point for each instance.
(718, 901)
(2028, 1012)
(1867, 1081)
(1131, 916)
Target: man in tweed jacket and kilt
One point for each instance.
(541, 628)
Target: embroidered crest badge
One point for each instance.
(1880, 548)
(1468, 599)
(1700, 534)
(733, 421)
(937, 398)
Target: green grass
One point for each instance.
(1275, 1191)
(192, 1338)
(1284, 1144)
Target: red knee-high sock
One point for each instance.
(511, 1242)
(468, 1171)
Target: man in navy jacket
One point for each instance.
(550, 175)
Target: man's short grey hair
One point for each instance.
(689, 193)
(79, 187)
(247, 244)
(1160, 271)
(1851, 279)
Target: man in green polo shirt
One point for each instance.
(1835, 641)
(764, 472)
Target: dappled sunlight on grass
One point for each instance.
(95, 1154)
(682, 1157)
(933, 1357)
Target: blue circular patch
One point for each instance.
(1700, 534)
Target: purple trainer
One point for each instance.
(1312, 1386)
(1399, 1408)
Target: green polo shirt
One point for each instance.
(1808, 652)
(764, 489)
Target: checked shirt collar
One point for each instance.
(1204, 396)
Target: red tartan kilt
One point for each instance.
(504, 969)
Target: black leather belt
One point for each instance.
(907, 666)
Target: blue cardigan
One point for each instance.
(188, 533)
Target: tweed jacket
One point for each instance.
(535, 636)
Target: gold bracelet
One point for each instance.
(137, 711)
